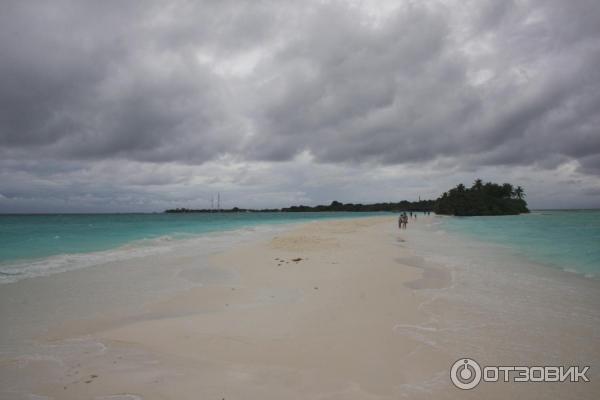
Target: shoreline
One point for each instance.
(348, 308)
(16, 269)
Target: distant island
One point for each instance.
(482, 199)
(417, 206)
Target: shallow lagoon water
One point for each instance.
(569, 239)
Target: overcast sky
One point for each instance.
(141, 106)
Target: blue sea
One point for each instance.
(565, 239)
(41, 244)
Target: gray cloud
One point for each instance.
(152, 87)
(93, 82)
(403, 91)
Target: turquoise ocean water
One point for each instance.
(568, 239)
(31, 245)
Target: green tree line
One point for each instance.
(482, 199)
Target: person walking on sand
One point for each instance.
(402, 221)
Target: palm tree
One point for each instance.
(507, 190)
(478, 184)
(519, 192)
(460, 188)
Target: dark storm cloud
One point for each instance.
(95, 80)
(142, 86)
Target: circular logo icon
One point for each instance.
(465, 373)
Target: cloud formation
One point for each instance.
(165, 91)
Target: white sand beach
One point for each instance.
(340, 309)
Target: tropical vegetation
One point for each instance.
(482, 199)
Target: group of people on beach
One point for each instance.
(403, 218)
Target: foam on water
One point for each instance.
(13, 272)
